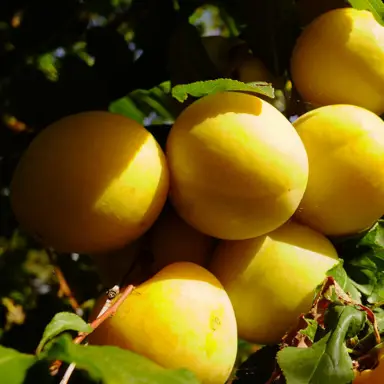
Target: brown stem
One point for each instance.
(110, 312)
(96, 323)
(64, 289)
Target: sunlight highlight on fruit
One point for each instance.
(271, 279)
(90, 183)
(345, 147)
(181, 317)
(238, 168)
(338, 59)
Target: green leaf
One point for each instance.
(126, 107)
(14, 365)
(310, 330)
(374, 238)
(155, 104)
(203, 88)
(62, 322)
(368, 339)
(327, 360)
(158, 101)
(375, 6)
(47, 63)
(379, 314)
(353, 318)
(364, 263)
(340, 275)
(113, 365)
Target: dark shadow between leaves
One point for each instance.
(39, 374)
(258, 368)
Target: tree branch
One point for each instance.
(64, 289)
(107, 311)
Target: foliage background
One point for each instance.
(66, 56)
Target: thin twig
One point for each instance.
(68, 373)
(107, 311)
(111, 294)
(64, 289)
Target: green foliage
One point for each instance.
(113, 365)
(62, 322)
(202, 88)
(141, 103)
(14, 365)
(316, 364)
(364, 262)
(326, 339)
(340, 275)
(126, 107)
(310, 329)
